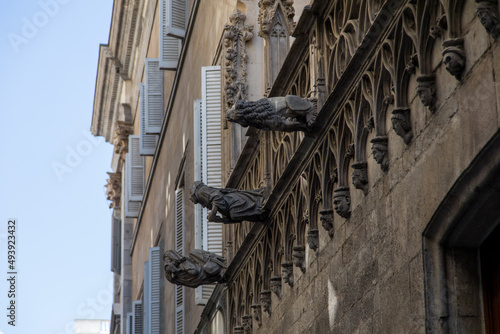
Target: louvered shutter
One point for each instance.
(154, 96)
(154, 290)
(170, 47)
(179, 246)
(146, 297)
(134, 181)
(116, 245)
(129, 324)
(147, 142)
(175, 13)
(211, 162)
(137, 321)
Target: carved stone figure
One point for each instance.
(257, 313)
(275, 283)
(313, 239)
(380, 152)
(120, 139)
(342, 202)
(287, 272)
(360, 176)
(265, 300)
(233, 205)
(200, 267)
(247, 324)
(454, 56)
(326, 217)
(401, 124)
(487, 12)
(288, 113)
(299, 255)
(426, 91)
(114, 189)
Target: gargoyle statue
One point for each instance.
(289, 113)
(233, 205)
(200, 267)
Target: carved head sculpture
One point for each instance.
(342, 202)
(359, 175)
(454, 59)
(379, 151)
(401, 124)
(426, 90)
(326, 217)
(195, 196)
(487, 13)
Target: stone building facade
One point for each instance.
(382, 208)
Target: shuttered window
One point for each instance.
(208, 162)
(129, 324)
(134, 179)
(137, 321)
(147, 142)
(116, 245)
(146, 297)
(154, 290)
(173, 23)
(154, 96)
(179, 247)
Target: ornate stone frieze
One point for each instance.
(120, 139)
(360, 176)
(275, 283)
(326, 217)
(265, 300)
(114, 189)
(287, 272)
(454, 56)
(233, 205)
(298, 256)
(236, 35)
(401, 124)
(267, 12)
(288, 113)
(380, 152)
(487, 12)
(313, 238)
(198, 268)
(257, 313)
(342, 202)
(426, 91)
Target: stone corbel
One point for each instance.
(454, 56)
(313, 238)
(298, 256)
(326, 217)
(275, 283)
(287, 272)
(114, 189)
(120, 139)
(426, 90)
(380, 152)
(487, 12)
(401, 124)
(265, 300)
(239, 330)
(342, 202)
(257, 313)
(246, 321)
(360, 176)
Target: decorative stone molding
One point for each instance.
(426, 91)
(114, 189)
(401, 124)
(298, 256)
(326, 217)
(380, 152)
(247, 324)
(342, 202)
(275, 283)
(487, 12)
(454, 56)
(267, 12)
(287, 272)
(313, 238)
(120, 139)
(257, 313)
(265, 300)
(360, 176)
(236, 35)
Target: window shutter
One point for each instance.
(146, 299)
(179, 246)
(116, 245)
(154, 290)
(154, 96)
(134, 168)
(129, 324)
(170, 46)
(175, 14)
(137, 323)
(147, 142)
(211, 161)
(198, 170)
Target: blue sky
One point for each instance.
(48, 64)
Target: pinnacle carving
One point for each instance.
(267, 12)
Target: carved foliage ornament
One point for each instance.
(267, 12)
(236, 34)
(114, 189)
(120, 140)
